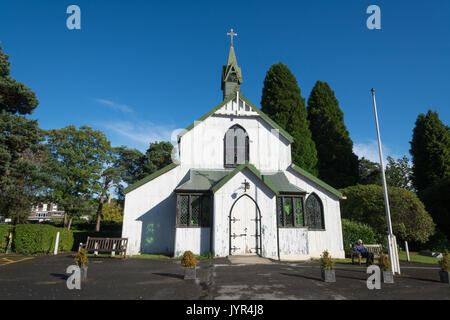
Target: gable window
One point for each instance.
(193, 210)
(290, 211)
(314, 212)
(236, 146)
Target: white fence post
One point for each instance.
(407, 250)
(55, 252)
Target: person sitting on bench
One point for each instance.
(359, 248)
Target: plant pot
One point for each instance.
(387, 276)
(83, 273)
(328, 275)
(189, 273)
(445, 276)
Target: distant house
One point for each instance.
(46, 212)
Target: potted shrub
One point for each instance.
(81, 260)
(444, 263)
(327, 267)
(385, 266)
(189, 262)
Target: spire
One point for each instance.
(231, 73)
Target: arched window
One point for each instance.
(236, 146)
(314, 212)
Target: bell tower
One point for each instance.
(231, 73)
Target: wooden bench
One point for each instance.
(376, 249)
(112, 245)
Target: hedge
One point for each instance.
(352, 231)
(4, 233)
(40, 239)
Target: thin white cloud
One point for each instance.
(369, 150)
(140, 133)
(115, 106)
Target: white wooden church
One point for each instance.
(233, 191)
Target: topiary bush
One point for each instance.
(189, 260)
(352, 231)
(326, 262)
(384, 264)
(81, 258)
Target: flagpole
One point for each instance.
(392, 242)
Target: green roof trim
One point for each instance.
(314, 179)
(250, 167)
(264, 116)
(150, 177)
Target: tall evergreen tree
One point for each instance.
(14, 96)
(430, 150)
(337, 163)
(283, 103)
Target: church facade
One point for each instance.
(233, 191)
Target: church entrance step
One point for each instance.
(248, 260)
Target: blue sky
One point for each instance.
(140, 69)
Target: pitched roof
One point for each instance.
(240, 168)
(202, 180)
(150, 177)
(281, 182)
(264, 116)
(321, 183)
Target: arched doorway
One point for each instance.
(245, 227)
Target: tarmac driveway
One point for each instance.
(44, 277)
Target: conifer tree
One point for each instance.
(337, 164)
(430, 150)
(15, 97)
(283, 103)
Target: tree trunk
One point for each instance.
(99, 212)
(65, 219)
(70, 223)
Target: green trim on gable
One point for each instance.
(318, 181)
(264, 116)
(239, 169)
(150, 177)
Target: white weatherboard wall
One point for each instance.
(196, 240)
(331, 238)
(203, 146)
(223, 201)
(294, 243)
(150, 214)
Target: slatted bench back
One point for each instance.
(106, 244)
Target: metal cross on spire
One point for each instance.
(231, 34)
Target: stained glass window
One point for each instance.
(184, 210)
(314, 212)
(194, 210)
(298, 208)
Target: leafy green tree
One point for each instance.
(158, 155)
(369, 172)
(337, 164)
(15, 97)
(132, 161)
(25, 166)
(282, 102)
(410, 220)
(398, 173)
(430, 150)
(113, 212)
(83, 154)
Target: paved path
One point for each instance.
(44, 277)
(248, 260)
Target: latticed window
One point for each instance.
(290, 211)
(183, 212)
(236, 146)
(314, 212)
(193, 210)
